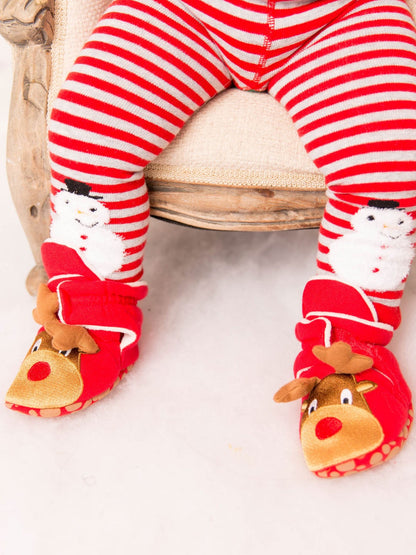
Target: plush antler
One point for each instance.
(64, 336)
(342, 358)
(295, 389)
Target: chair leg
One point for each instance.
(28, 26)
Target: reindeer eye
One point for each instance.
(313, 406)
(36, 345)
(346, 397)
(65, 353)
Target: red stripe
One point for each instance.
(370, 38)
(149, 66)
(360, 74)
(336, 221)
(158, 31)
(363, 200)
(130, 235)
(324, 266)
(133, 279)
(135, 250)
(102, 151)
(369, 148)
(372, 167)
(100, 188)
(360, 110)
(370, 127)
(230, 19)
(388, 295)
(323, 249)
(106, 131)
(90, 169)
(120, 92)
(344, 207)
(130, 219)
(329, 234)
(161, 53)
(357, 92)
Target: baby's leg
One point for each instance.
(147, 67)
(144, 71)
(352, 95)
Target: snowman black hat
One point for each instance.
(381, 203)
(79, 188)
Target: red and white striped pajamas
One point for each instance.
(344, 69)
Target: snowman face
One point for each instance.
(84, 210)
(385, 223)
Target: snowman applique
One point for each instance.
(80, 222)
(377, 253)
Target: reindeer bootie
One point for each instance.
(87, 342)
(356, 410)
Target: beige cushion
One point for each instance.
(238, 139)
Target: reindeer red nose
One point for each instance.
(327, 427)
(39, 371)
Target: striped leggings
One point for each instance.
(345, 70)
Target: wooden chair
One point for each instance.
(238, 164)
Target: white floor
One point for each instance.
(190, 455)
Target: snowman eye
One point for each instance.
(313, 406)
(346, 397)
(370, 218)
(65, 353)
(93, 210)
(401, 222)
(36, 345)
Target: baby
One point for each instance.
(345, 70)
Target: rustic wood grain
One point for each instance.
(28, 26)
(236, 209)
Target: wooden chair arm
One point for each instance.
(28, 26)
(23, 22)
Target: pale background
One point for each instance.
(190, 455)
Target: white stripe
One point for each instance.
(101, 161)
(119, 122)
(396, 115)
(127, 84)
(363, 139)
(91, 138)
(370, 157)
(181, 74)
(378, 325)
(188, 60)
(322, 76)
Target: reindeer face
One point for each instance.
(337, 423)
(39, 381)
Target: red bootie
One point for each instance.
(88, 340)
(356, 410)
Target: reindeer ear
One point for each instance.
(296, 389)
(365, 386)
(47, 305)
